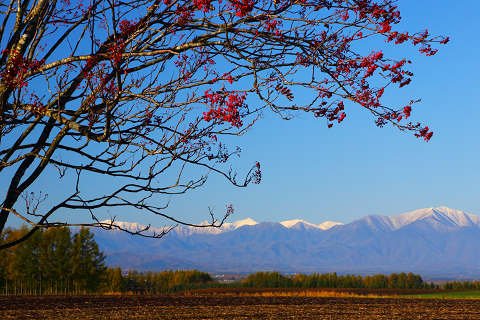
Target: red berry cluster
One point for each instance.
(127, 27)
(242, 7)
(224, 107)
(17, 69)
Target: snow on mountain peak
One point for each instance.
(440, 215)
(133, 226)
(329, 224)
(226, 226)
(290, 223)
(323, 226)
(244, 222)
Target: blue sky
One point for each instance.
(354, 169)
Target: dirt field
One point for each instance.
(228, 307)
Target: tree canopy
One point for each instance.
(144, 91)
(51, 262)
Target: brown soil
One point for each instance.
(234, 308)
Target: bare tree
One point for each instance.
(139, 91)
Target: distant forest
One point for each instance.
(57, 261)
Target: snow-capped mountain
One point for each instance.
(226, 227)
(435, 242)
(328, 225)
(299, 223)
(183, 230)
(442, 217)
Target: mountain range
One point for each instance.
(434, 242)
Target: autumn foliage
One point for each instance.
(136, 89)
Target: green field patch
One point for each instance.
(469, 294)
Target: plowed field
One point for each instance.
(228, 307)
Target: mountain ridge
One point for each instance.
(436, 242)
(393, 222)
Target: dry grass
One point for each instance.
(310, 294)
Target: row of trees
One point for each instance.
(333, 280)
(59, 261)
(174, 281)
(461, 285)
(155, 282)
(51, 261)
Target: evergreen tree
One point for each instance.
(88, 263)
(50, 260)
(54, 258)
(25, 259)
